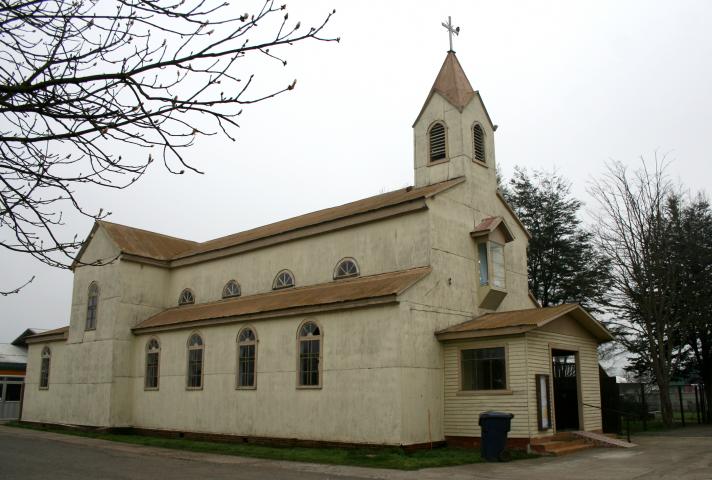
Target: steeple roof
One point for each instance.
(452, 83)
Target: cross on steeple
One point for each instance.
(451, 30)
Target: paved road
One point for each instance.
(26, 454)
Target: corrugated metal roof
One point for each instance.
(152, 245)
(334, 292)
(13, 354)
(452, 83)
(528, 319)
(55, 332)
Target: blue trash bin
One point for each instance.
(493, 438)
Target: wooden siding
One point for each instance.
(462, 410)
(527, 355)
(539, 346)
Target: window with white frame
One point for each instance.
(346, 268)
(491, 263)
(284, 279)
(186, 297)
(231, 289)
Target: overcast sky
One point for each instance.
(570, 84)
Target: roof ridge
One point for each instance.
(147, 231)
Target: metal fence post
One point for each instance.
(697, 406)
(644, 407)
(682, 409)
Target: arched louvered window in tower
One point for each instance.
(438, 150)
(478, 139)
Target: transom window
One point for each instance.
(44, 367)
(346, 268)
(483, 369)
(231, 289)
(246, 358)
(153, 350)
(491, 259)
(195, 362)
(284, 279)
(437, 142)
(478, 139)
(186, 297)
(309, 374)
(92, 306)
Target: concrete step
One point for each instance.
(560, 447)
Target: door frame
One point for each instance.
(579, 399)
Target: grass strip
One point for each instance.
(377, 457)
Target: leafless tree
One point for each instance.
(633, 232)
(81, 79)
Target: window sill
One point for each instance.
(309, 387)
(246, 388)
(150, 389)
(44, 388)
(438, 162)
(193, 389)
(467, 393)
(480, 163)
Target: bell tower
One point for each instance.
(453, 133)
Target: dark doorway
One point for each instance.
(566, 404)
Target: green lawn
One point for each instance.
(383, 457)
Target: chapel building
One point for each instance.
(392, 320)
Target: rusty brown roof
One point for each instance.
(489, 224)
(60, 333)
(519, 321)
(360, 206)
(452, 83)
(144, 243)
(331, 293)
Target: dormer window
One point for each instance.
(478, 139)
(491, 259)
(438, 145)
(284, 279)
(186, 297)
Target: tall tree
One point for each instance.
(692, 234)
(634, 233)
(81, 79)
(563, 263)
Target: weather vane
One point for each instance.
(456, 30)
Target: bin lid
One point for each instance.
(492, 414)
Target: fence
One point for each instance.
(642, 402)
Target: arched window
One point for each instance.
(346, 267)
(92, 306)
(186, 297)
(284, 279)
(195, 362)
(438, 149)
(231, 289)
(246, 358)
(309, 345)
(44, 368)
(478, 138)
(153, 351)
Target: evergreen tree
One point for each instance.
(563, 263)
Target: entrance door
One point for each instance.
(566, 402)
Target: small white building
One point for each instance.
(394, 320)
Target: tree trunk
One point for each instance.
(665, 403)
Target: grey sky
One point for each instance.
(570, 84)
